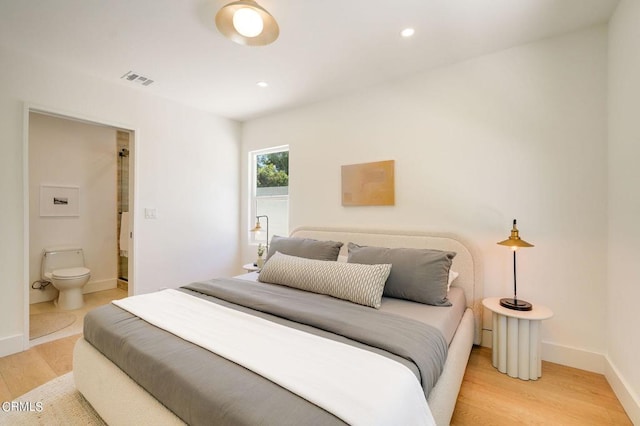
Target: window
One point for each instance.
(269, 192)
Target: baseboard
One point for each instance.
(629, 400)
(93, 286)
(50, 293)
(573, 357)
(564, 355)
(11, 345)
(487, 338)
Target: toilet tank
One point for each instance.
(54, 258)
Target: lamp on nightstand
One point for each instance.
(258, 228)
(515, 242)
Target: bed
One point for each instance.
(119, 399)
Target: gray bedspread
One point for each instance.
(203, 388)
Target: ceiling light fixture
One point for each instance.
(407, 32)
(262, 84)
(246, 22)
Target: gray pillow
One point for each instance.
(420, 275)
(305, 247)
(357, 283)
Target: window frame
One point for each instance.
(253, 184)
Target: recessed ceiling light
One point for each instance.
(407, 32)
(262, 84)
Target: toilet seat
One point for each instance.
(68, 273)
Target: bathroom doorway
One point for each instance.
(93, 162)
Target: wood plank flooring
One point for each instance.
(21, 372)
(91, 301)
(50, 356)
(562, 396)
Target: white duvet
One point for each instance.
(358, 386)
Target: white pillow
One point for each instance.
(358, 283)
(452, 276)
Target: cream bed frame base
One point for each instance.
(121, 401)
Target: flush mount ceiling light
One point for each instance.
(407, 32)
(246, 22)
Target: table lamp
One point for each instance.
(258, 228)
(515, 242)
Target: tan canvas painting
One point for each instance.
(368, 184)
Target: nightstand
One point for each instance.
(516, 339)
(250, 267)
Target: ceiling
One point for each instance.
(326, 47)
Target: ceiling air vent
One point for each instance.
(134, 77)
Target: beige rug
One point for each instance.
(48, 322)
(54, 403)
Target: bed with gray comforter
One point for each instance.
(134, 373)
(201, 387)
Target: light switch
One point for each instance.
(150, 213)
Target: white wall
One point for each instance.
(72, 153)
(623, 340)
(186, 167)
(516, 134)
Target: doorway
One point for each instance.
(95, 160)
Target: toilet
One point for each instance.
(64, 268)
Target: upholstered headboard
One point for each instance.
(466, 263)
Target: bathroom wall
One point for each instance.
(72, 153)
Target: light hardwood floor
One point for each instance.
(91, 301)
(21, 372)
(50, 356)
(562, 396)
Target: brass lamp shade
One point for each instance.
(258, 227)
(514, 239)
(515, 242)
(225, 17)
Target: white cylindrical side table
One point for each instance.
(516, 339)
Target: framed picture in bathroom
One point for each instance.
(59, 200)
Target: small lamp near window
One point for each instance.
(515, 242)
(258, 228)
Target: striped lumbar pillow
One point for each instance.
(357, 283)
